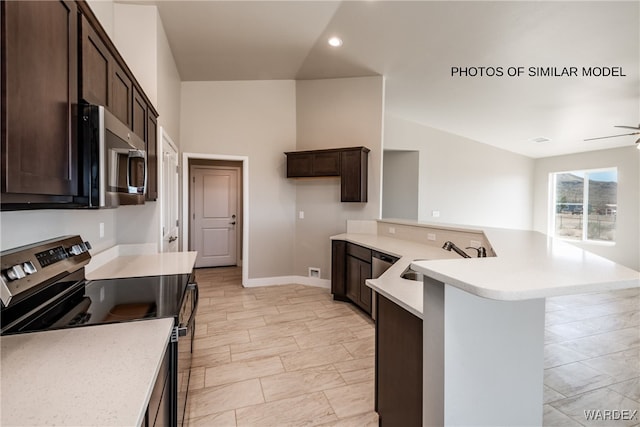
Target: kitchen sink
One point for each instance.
(411, 274)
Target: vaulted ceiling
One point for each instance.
(415, 44)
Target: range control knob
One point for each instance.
(16, 272)
(28, 267)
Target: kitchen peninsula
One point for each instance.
(483, 318)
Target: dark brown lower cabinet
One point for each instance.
(339, 270)
(350, 269)
(398, 368)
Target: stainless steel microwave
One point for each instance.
(113, 160)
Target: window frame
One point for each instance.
(585, 205)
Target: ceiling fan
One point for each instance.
(636, 128)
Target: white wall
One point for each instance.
(400, 178)
(626, 250)
(103, 9)
(169, 84)
(135, 35)
(255, 119)
(335, 113)
(466, 181)
(139, 35)
(24, 227)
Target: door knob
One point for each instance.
(233, 223)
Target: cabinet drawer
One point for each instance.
(359, 252)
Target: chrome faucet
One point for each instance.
(450, 246)
(482, 252)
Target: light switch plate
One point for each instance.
(431, 236)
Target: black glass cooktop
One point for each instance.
(108, 301)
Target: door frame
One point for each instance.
(164, 136)
(186, 220)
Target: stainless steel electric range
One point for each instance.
(43, 287)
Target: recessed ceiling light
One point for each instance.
(539, 140)
(335, 41)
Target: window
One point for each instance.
(585, 205)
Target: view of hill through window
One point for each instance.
(590, 196)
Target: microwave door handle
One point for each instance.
(135, 153)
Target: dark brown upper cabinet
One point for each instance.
(350, 164)
(152, 158)
(313, 163)
(139, 119)
(354, 171)
(95, 79)
(39, 92)
(121, 95)
(55, 54)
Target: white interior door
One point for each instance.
(214, 215)
(169, 195)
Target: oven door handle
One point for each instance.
(183, 330)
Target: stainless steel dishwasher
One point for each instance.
(380, 262)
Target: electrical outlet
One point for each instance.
(431, 236)
(475, 244)
(314, 272)
(435, 214)
(392, 230)
(301, 214)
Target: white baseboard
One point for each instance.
(286, 280)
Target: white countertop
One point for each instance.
(405, 293)
(531, 265)
(528, 265)
(86, 376)
(159, 264)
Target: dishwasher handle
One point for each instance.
(384, 257)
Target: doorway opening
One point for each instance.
(216, 209)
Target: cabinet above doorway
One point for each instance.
(350, 164)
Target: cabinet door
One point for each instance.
(358, 271)
(398, 365)
(353, 279)
(121, 95)
(354, 170)
(365, 291)
(299, 165)
(95, 81)
(326, 163)
(338, 269)
(152, 157)
(39, 89)
(139, 111)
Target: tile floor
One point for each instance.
(592, 358)
(291, 356)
